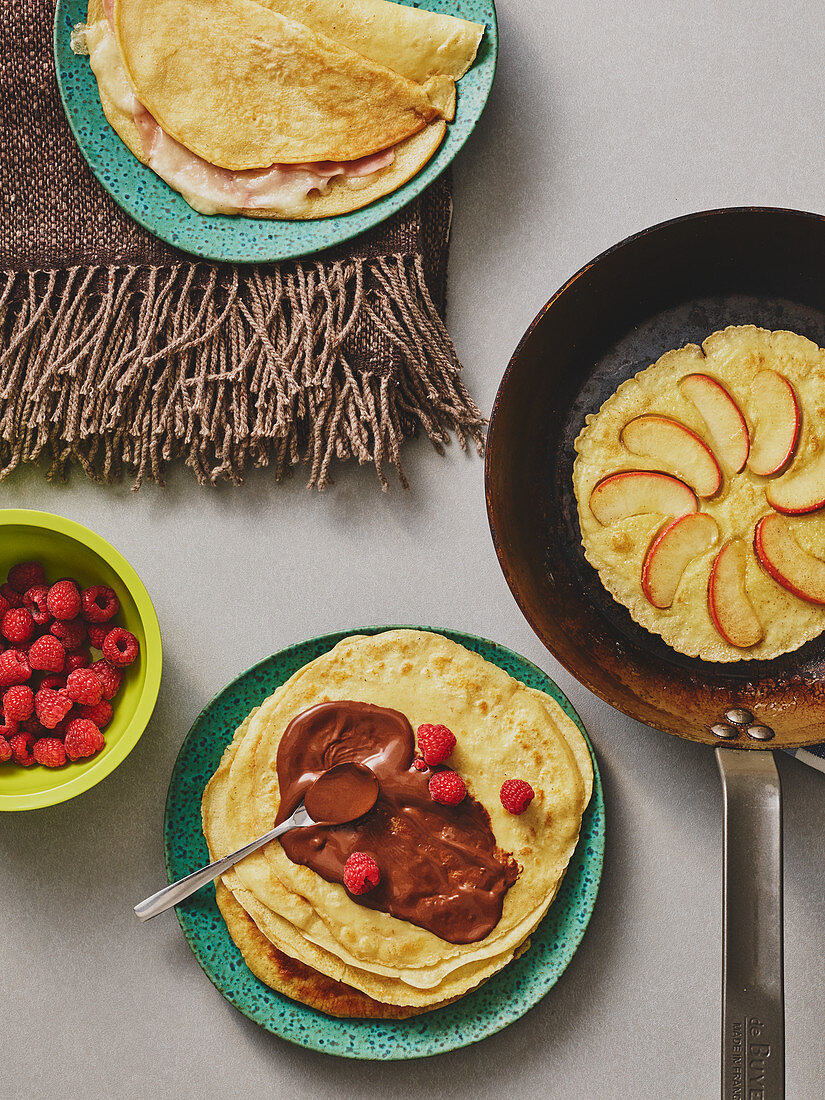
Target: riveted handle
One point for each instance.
(753, 1019)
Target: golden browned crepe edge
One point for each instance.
(295, 979)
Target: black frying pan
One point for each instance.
(668, 286)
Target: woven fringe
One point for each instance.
(122, 370)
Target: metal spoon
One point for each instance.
(356, 787)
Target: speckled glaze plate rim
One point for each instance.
(163, 212)
(497, 1003)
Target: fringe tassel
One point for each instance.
(122, 370)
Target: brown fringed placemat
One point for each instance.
(120, 355)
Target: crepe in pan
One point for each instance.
(733, 358)
(503, 729)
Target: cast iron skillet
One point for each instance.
(667, 286)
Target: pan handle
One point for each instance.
(753, 1023)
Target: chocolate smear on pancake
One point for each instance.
(440, 866)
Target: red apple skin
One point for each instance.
(796, 511)
(813, 505)
(737, 410)
(772, 571)
(651, 555)
(712, 602)
(648, 558)
(699, 440)
(794, 441)
(658, 474)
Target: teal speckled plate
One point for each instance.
(499, 1002)
(146, 198)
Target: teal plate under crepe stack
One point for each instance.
(152, 203)
(497, 1003)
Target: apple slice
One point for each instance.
(677, 544)
(677, 447)
(728, 603)
(786, 561)
(777, 423)
(800, 490)
(727, 427)
(637, 492)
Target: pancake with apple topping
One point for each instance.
(460, 886)
(700, 487)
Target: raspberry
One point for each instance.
(49, 752)
(4, 606)
(419, 764)
(51, 706)
(516, 796)
(84, 686)
(64, 600)
(436, 743)
(61, 727)
(53, 682)
(8, 727)
(32, 726)
(101, 714)
(20, 745)
(18, 703)
(97, 634)
(35, 600)
(11, 595)
(447, 788)
(361, 873)
(72, 633)
(17, 625)
(5, 750)
(78, 660)
(120, 647)
(83, 738)
(99, 604)
(14, 668)
(26, 574)
(109, 676)
(47, 654)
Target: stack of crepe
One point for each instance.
(278, 108)
(309, 938)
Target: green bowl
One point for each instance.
(67, 548)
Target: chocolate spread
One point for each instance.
(440, 867)
(344, 793)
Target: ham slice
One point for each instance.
(282, 188)
(212, 190)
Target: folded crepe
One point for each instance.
(503, 729)
(244, 108)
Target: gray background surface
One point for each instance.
(605, 117)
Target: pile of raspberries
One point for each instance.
(435, 746)
(54, 700)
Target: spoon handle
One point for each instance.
(177, 891)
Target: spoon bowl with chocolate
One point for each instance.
(343, 793)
